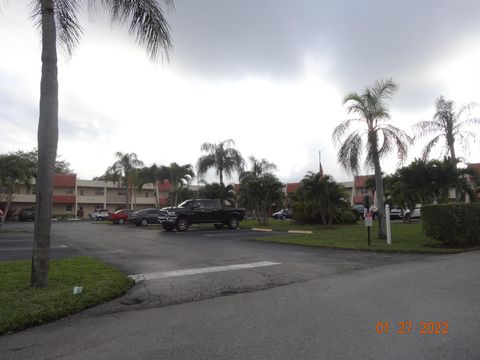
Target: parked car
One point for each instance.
(396, 214)
(359, 210)
(144, 216)
(100, 214)
(200, 211)
(283, 214)
(26, 214)
(120, 216)
(415, 214)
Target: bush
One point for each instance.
(345, 215)
(63, 216)
(453, 224)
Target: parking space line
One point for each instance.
(204, 270)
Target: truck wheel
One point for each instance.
(233, 223)
(121, 221)
(218, 226)
(168, 227)
(144, 222)
(182, 224)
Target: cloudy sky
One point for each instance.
(270, 74)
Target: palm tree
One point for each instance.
(449, 124)
(57, 20)
(373, 114)
(222, 157)
(150, 175)
(211, 191)
(260, 194)
(323, 194)
(125, 165)
(14, 169)
(178, 176)
(258, 168)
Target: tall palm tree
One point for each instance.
(57, 20)
(125, 165)
(372, 116)
(222, 157)
(448, 124)
(178, 176)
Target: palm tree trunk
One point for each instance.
(126, 193)
(7, 207)
(157, 200)
(382, 224)
(454, 161)
(47, 146)
(220, 195)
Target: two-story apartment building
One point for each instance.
(71, 193)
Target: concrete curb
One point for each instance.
(260, 229)
(300, 231)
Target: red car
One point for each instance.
(120, 216)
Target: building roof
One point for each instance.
(292, 187)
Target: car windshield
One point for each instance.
(185, 203)
(119, 211)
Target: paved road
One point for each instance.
(314, 304)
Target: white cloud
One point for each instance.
(112, 98)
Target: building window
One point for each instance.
(82, 192)
(69, 190)
(68, 208)
(146, 194)
(99, 192)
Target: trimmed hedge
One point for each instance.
(453, 224)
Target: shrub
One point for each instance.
(63, 216)
(345, 215)
(453, 224)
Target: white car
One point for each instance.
(415, 214)
(101, 214)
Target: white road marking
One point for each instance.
(227, 234)
(204, 270)
(30, 248)
(16, 240)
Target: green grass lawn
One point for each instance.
(408, 238)
(22, 306)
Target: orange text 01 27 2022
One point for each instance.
(410, 327)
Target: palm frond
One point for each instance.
(145, 19)
(204, 163)
(69, 29)
(401, 139)
(428, 148)
(341, 129)
(426, 127)
(350, 152)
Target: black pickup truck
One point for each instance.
(200, 211)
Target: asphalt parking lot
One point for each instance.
(137, 251)
(217, 294)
